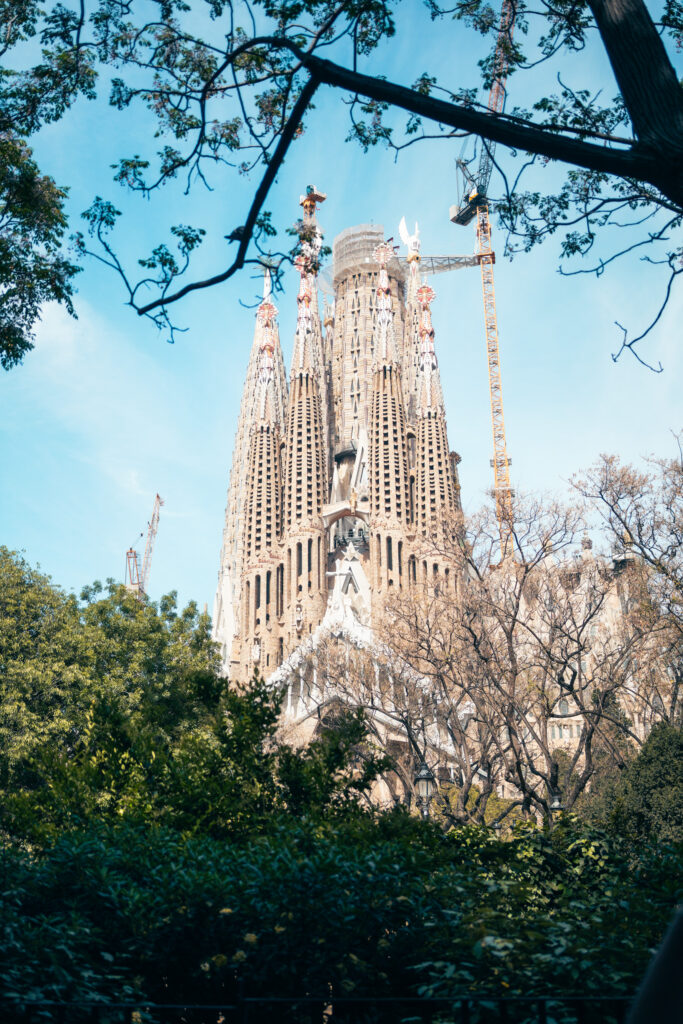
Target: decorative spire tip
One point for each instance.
(311, 200)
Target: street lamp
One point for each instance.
(425, 786)
(555, 806)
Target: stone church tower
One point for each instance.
(342, 480)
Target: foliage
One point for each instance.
(33, 268)
(229, 85)
(113, 710)
(645, 800)
(89, 690)
(379, 907)
(160, 843)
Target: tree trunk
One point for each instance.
(644, 74)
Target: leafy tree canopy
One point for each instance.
(645, 800)
(113, 710)
(33, 267)
(230, 84)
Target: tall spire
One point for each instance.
(262, 503)
(306, 443)
(353, 350)
(435, 498)
(305, 476)
(309, 344)
(226, 617)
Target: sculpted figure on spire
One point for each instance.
(412, 242)
(411, 354)
(425, 296)
(385, 348)
(266, 315)
(429, 383)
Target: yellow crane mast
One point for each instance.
(475, 204)
(501, 462)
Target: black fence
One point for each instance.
(464, 1009)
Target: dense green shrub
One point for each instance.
(385, 906)
(644, 801)
(159, 843)
(112, 710)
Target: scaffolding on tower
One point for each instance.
(136, 577)
(475, 205)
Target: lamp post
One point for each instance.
(425, 786)
(555, 805)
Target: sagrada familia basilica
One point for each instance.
(344, 510)
(342, 475)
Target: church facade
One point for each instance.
(342, 478)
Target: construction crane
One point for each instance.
(474, 204)
(136, 578)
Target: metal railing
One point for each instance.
(462, 1009)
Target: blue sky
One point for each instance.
(104, 413)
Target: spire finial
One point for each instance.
(310, 201)
(307, 263)
(267, 284)
(412, 242)
(304, 316)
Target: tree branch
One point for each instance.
(285, 140)
(636, 162)
(639, 161)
